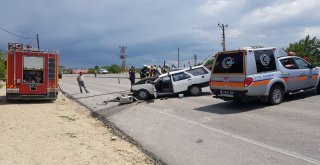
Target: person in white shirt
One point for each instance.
(80, 79)
(159, 70)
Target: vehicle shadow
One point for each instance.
(3, 101)
(300, 96)
(205, 94)
(231, 107)
(184, 95)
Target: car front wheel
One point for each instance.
(195, 90)
(142, 94)
(318, 88)
(275, 95)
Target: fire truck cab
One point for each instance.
(31, 73)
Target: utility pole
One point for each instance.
(38, 41)
(123, 56)
(195, 59)
(223, 43)
(178, 57)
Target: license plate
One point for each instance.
(227, 92)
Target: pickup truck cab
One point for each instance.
(261, 73)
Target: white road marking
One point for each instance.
(280, 150)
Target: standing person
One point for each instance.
(95, 73)
(164, 69)
(151, 71)
(173, 67)
(132, 75)
(80, 79)
(159, 70)
(143, 72)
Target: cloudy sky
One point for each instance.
(89, 32)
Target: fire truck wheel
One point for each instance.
(275, 95)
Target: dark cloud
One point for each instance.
(89, 33)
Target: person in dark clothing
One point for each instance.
(143, 72)
(132, 75)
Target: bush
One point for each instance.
(114, 68)
(111, 69)
(308, 46)
(91, 70)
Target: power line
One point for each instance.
(15, 34)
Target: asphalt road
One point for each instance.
(203, 130)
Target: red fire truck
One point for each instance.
(31, 73)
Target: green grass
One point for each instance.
(71, 135)
(68, 118)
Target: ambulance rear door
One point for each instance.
(228, 73)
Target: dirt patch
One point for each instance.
(60, 132)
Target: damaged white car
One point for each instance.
(190, 80)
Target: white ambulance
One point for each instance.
(261, 73)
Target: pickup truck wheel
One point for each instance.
(195, 90)
(275, 95)
(142, 94)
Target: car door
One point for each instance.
(306, 73)
(180, 82)
(164, 85)
(291, 73)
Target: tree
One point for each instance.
(307, 47)
(2, 69)
(114, 68)
(111, 69)
(91, 70)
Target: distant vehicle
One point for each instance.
(261, 73)
(190, 80)
(102, 71)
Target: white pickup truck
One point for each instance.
(261, 73)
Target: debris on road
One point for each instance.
(123, 99)
(117, 99)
